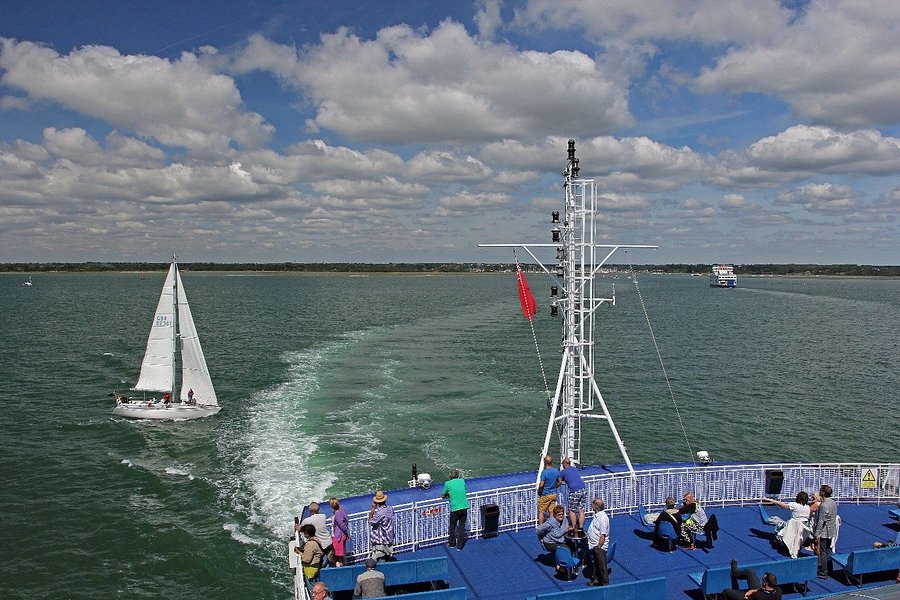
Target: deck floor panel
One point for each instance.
(513, 566)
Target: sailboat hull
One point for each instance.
(159, 412)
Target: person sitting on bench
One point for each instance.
(767, 590)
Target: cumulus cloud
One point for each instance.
(408, 86)
(735, 202)
(827, 198)
(448, 167)
(803, 151)
(628, 164)
(833, 61)
(177, 103)
(836, 64)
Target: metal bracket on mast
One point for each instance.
(577, 395)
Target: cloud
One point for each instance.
(487, 18)
(833, 61)
(466, 203)
(75, 145)
(736, 203)
(447, 167)
(824, 198)
(177, 103)
(627, 164)
(407, 86)
(836, 64)
(623, 22)
(803, 151)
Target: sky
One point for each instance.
(747, 131)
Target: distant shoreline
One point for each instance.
(786, 271)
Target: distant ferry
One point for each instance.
(722, 276)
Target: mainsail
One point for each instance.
(194, 374)
(157, 370)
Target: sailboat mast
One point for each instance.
(175, 329)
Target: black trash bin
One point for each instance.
(774, 481)
(490, 520)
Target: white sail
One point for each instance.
(194, 374)
(157, 370)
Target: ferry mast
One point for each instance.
(578, 260)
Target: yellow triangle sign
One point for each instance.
(869, 482)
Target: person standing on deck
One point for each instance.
(577, 493)
(318, 520)
(381, 528)
(340, 531)
(825, 530)
(455, 490)
(598, 542)
(547, 488)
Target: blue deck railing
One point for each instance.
(424, 523)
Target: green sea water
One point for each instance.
(334, 385)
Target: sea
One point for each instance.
(336, 385)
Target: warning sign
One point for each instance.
(869, 479)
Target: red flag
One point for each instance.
(526, 298)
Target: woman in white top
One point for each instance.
(795, 532)
(799, 509)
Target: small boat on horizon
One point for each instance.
(172, 322)
(28, 283)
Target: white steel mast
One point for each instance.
(578, 260)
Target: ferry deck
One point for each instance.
(514, 566)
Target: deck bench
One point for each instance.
(642, 589)
(457, 593)
(862, 562)
(793, 570)
(400, 572)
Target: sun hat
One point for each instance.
(380, 497)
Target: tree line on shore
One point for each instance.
(837, 270)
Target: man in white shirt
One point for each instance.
(598, 542)
(319, 521)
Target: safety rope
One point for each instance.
(661, 364)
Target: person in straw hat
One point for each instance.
(381, 528)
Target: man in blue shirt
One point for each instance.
(577, 492)
(547, 488)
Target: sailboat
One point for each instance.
(158, 370)
(28, 283)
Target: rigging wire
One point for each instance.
(537, 349)
(661, 364)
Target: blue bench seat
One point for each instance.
(400, 572)
(457, 593)
(642, 589)
(872, 560)
(894, 513)
(796, 570)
